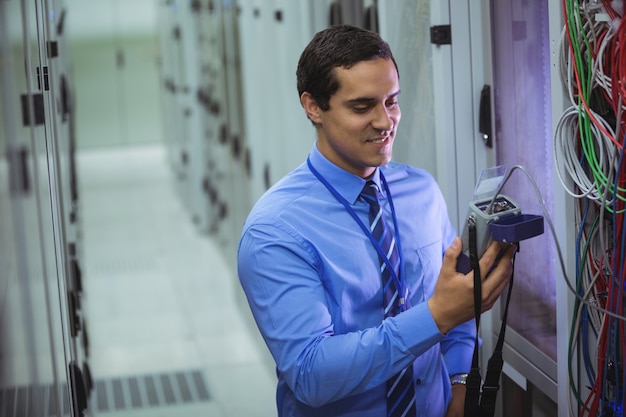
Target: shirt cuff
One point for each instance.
(418, 329)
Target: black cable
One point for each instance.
(494, 366)
(473, 382)
(477, 403)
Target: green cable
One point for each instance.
(584, 69)
(586, 136)
(601, 181)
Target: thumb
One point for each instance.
(452, 253)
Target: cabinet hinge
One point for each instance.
(42, 74)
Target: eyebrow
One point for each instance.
(368, 100)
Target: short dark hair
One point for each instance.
(337, 46)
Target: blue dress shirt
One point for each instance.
(312, 280)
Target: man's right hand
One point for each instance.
(452, 302)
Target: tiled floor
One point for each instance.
(159, 297)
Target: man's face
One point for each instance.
(358, 130)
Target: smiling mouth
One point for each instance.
(379, 141)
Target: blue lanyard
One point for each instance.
(398, 280)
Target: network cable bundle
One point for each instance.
(589, 160)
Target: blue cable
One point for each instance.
(613, 395)
(584, 313)
(591, 377)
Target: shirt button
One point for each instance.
(418, 381)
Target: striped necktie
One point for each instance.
(400, 390)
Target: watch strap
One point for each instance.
(458, 379)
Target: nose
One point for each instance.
(385, 119)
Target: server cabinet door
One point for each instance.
(37, 344)
(525, 94)
(437, 131)
(522, 125)
(252, 36)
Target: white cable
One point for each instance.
(567, 160)
(565, 129)
(592, 28)
(548, 219)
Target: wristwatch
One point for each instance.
(458, 379)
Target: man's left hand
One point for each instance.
(457, 404)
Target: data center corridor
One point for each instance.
(171, 118)
(166, 336)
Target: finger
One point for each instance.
(450, 257)
(489, 257)
(502, 259)
(498, 279)
(493, 288)
(507, 257)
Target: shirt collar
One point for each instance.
(348, 185)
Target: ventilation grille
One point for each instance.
(110, 395)
(105, 267)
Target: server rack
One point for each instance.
(44, 348)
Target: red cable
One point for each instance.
(578, 84)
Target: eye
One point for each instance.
(360, 109)
(392, 103)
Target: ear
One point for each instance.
(312, 110)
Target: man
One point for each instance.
(310, 263)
